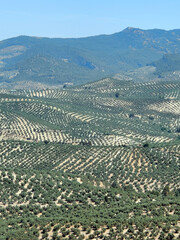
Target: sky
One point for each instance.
(81, 18)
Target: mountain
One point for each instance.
(168, 63)
(43, 62)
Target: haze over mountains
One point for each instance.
(34, 62)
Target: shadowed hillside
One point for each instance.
(54, 62)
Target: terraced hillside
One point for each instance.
(113, 136)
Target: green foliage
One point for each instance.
(74, 163)
(115, 209)
(168, 63)
(166, 190)
(47, 61)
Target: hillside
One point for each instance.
(168, 63)
(99, 161)
(113, 129)
(34, 62)
(52, 205)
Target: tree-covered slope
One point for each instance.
(168, 63)
(57, 61)
(117, 130)
(97, 161)
(54, 205)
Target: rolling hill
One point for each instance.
(98, 161)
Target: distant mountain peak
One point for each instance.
(133, 30)
(129, 29)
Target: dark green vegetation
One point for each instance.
(100, 161)
(41, 62)
(169, 63)
(53, 205)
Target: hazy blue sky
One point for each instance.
(77, 18)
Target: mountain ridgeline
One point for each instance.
(44, 62)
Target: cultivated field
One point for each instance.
(100, 161)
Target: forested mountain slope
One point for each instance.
(54, 62)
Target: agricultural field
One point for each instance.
(53, 205)
(99, 161)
